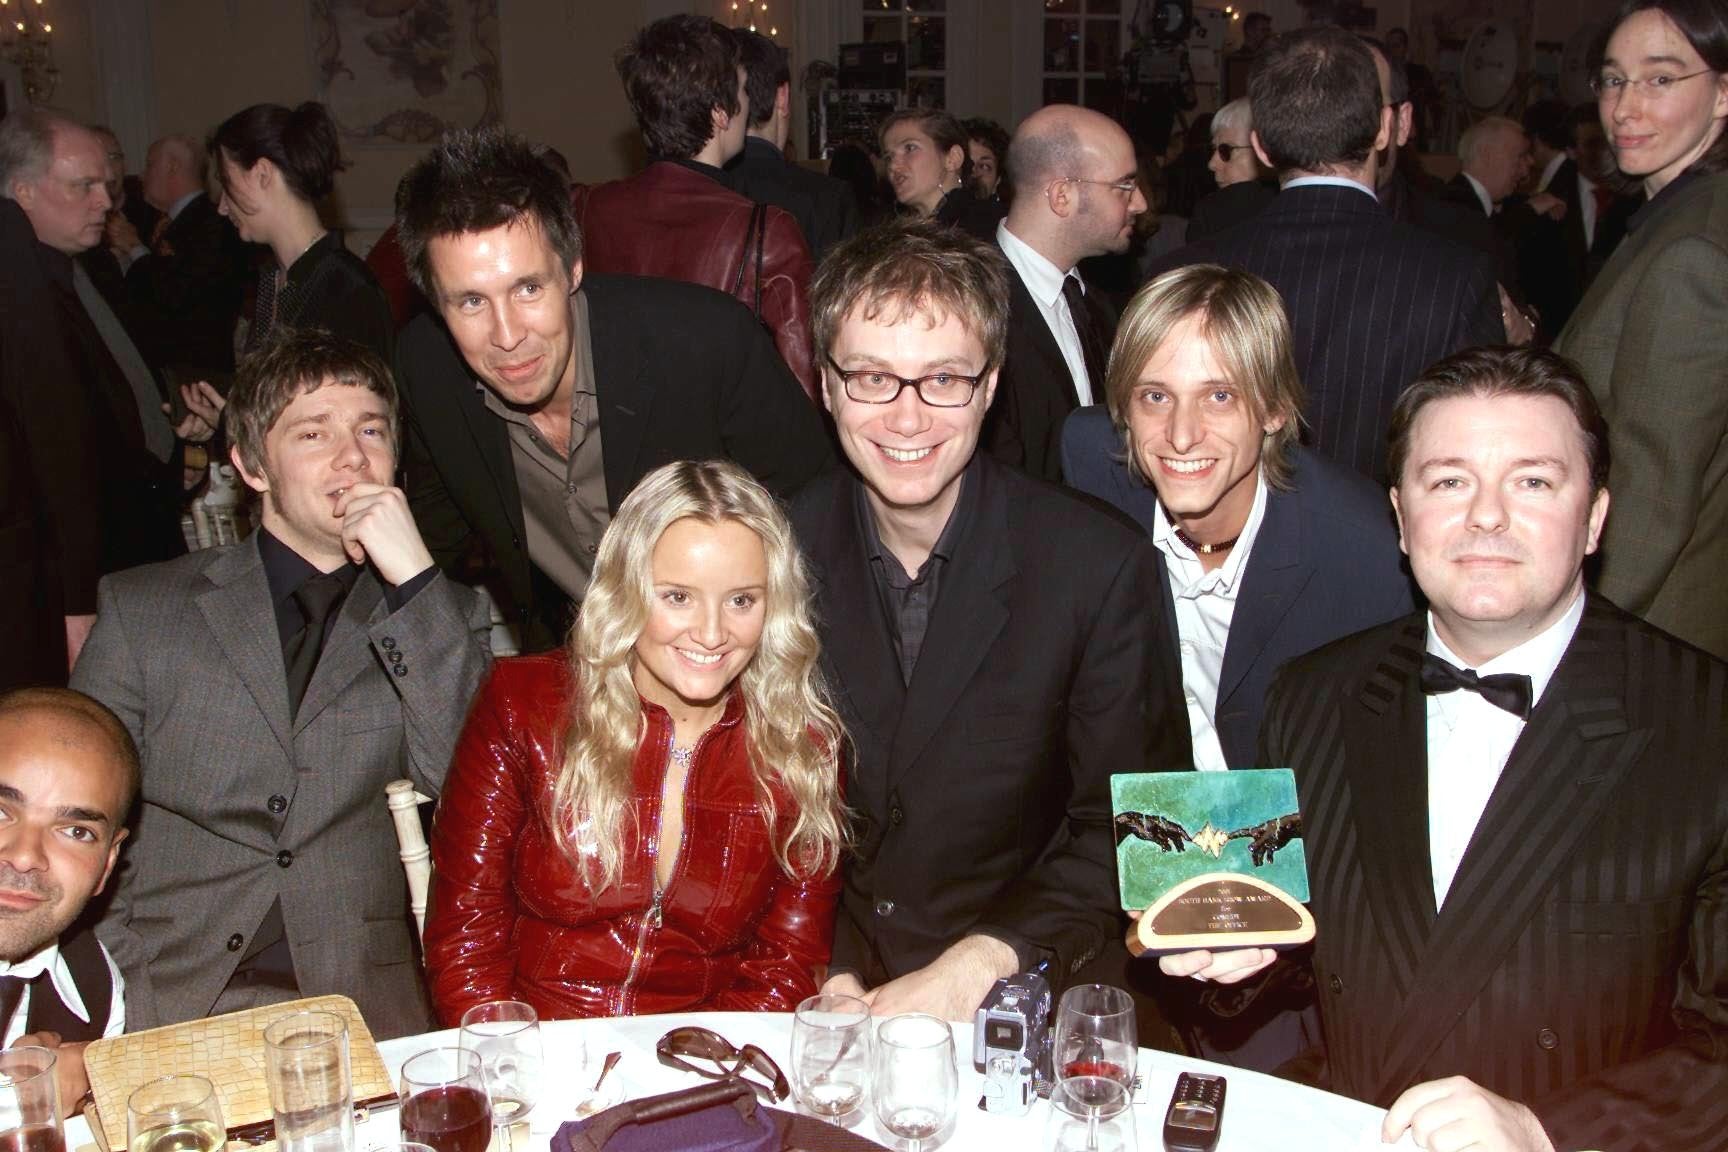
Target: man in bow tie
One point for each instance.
(1515, 803)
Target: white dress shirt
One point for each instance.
(1332, 182)
(1043, 282)
(1205, 604)
(48, 959)
(1587, 209)
(1482, 196)
(1469, 740)
(1548, 171)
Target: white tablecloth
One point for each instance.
(1260, 1113)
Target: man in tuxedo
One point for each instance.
(274, 688)
(537, 396)
(1515, 813)
(990, 683)
(106, 458)
(1076, 194)
(187, 283)
(68, 773)
(1265, 551)
(825, 208)
(1372, 302)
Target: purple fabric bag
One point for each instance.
(719, 1117)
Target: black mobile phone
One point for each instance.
(1196, 1114)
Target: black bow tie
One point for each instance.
(1507, 690)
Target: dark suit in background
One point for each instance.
(1372, 303)
(982, 788)
(1325, 563)
(682, 373)
(824, 207)
(331, 288)
(1035, 391)
(1229, 207)
(1577, 965)
(187, 293)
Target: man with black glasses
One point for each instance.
(990, 640)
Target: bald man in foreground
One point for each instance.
(1076, 194)
(186, 283)
(68, 773)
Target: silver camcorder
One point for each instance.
(1011, 1043)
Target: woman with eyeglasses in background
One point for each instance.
(1648, 332)
(1242, 185)
(650, 821)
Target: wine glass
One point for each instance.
(915, 1077)
(1076, 1126)
(444, 1101)
(29, 1101)
(1097, 1046)
(831, 1054)
(175, 1114)
(506, 1036)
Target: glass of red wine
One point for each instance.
(444, 1101)
(1097, 1047)
(29, 1101)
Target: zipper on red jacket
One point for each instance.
(652, 919)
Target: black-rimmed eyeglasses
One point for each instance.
(1225, 150)
(709, 1054)
(939, 390)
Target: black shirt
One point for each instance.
(907, 600)
(285, 570)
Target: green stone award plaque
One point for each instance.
(1211, 859)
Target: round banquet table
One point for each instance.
(1260, 1111)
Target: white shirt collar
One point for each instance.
(1042, 278)
(1331, 182)
(179, 205)
(1549, 169)
(1224, 579)
(1481, 193)
(48, 959)
(1536, 658)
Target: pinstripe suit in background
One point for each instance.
(1580, 962)
(1372, 303)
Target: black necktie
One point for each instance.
(1091, 348)
(1507, 690)
(11, 991)
(317, 598)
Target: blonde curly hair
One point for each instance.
(794, 736)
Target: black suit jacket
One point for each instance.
(1578, 964)
(982, 790)
(824, 207)
(1035, 391)
(187, 293)
(1372, 303)
(1229, 207)
(682, 372)
(1325, 563)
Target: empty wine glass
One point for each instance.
(444, 1101)
(175, 1114)
(1097, 1045)
(831, 1054)
(505, 1034)
(915, 1077)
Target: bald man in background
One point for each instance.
(188, 281)
(68, 773)
(1076, 194)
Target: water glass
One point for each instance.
(444, 1101)
(29, 1101)
(1078, 1125)
(505, 1034)
(1097, 1043)
(831, 1054)
(914, 1077)
(306, 1065)
(175, 1114)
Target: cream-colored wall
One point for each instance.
(214, 57)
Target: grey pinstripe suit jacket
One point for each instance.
(1580, 962)
(187, 654)
(1371, 302)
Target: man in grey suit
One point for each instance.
(274, 688)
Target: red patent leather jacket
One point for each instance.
(512, 918)
(675, 223)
